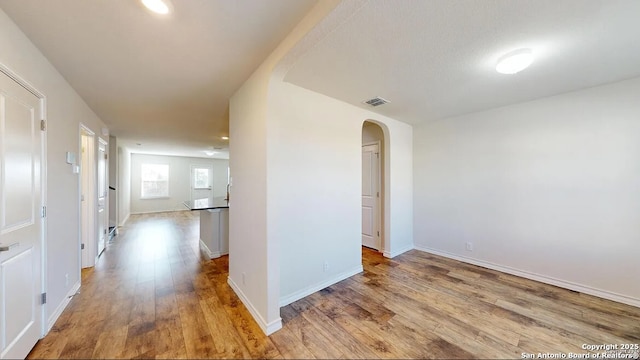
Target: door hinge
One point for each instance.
(106, 156)
(81, 246)
(378, 233)
(378, 194)
(377, 155)
(44, 211)
(43, 125)
(43, 298)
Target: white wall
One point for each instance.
(65, 111)
(248, 251)
(303, 151)
(548, 188)
(179, 181)
(254, 272)
(315, 187)
(124, 180)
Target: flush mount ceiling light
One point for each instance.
(224, 138)
(158, 6)
(209, 152)
(514, 61)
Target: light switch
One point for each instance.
(71, 158)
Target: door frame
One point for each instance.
(378, 215)
(43, 185)
(105, 217)
(91, 199)
(192, 182)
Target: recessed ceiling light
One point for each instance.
(514, 61)
(224, 138)
(158, 6)
(209, 152)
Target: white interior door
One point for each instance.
(103, 215)
(371, 197)
(20, 219)
(87, 196)
(201, 182)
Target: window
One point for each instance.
(201, 178)
(155, 181)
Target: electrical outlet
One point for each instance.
(469, 246)
(244, 279)
(325, 267)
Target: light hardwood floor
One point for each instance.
(152, 295)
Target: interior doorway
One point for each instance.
(103, 213)
(88, 241)
(371, 196)
(373, 186)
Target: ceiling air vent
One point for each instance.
(376, 101)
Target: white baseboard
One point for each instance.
(267, 328)
(157, 211)
(125, 220)
(63, 305)
(286, 300)
(537, 277)
(208, 252)
(389, 254)
(205, 249)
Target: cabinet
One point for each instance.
(214, 232)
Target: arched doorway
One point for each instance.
(373, 186)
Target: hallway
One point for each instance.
(151, 295)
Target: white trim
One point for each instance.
(63, 305)
(286, 300)
(17, 78)
(267, 328)
(403, 250)
(205, 249)
(209, 253)
(125, 220)
(537, 277)
(155, 212)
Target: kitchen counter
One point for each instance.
(207, 204)
(214, 225)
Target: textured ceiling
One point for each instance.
(436, 59)
(163, 82)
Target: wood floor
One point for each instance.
(152, 295)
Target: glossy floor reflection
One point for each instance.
(152, 295)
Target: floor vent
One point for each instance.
(376, 101)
